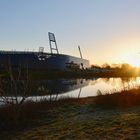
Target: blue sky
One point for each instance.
(108, 31)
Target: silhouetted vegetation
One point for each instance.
(125, 98)
(114, 70)
(106, 70)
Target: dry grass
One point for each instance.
(125, 98)
(28, 114)
(76, 119)
(84, 122)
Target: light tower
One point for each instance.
(52, 39)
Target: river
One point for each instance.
(75, 88)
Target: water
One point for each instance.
(76, 88)
(91, 87)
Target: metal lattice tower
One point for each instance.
(52, 39)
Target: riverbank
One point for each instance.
(85, 118)
(78, 122)
(57, 74)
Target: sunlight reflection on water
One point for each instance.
(105, 85)
(90, 87)
(77, 88)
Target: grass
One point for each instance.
(114, 116)
(24, 115)
(124, 98)
(78, 122)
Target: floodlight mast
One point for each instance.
(52, 39)
(80, 52)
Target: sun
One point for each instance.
(134, 61)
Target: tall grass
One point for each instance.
(124, 98)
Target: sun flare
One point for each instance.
(134, 61)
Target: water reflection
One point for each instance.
(58, 86)
(63, 88)
(17, 92)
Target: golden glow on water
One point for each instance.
(109, 85)
(84, 87)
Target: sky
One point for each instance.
(108, 31)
